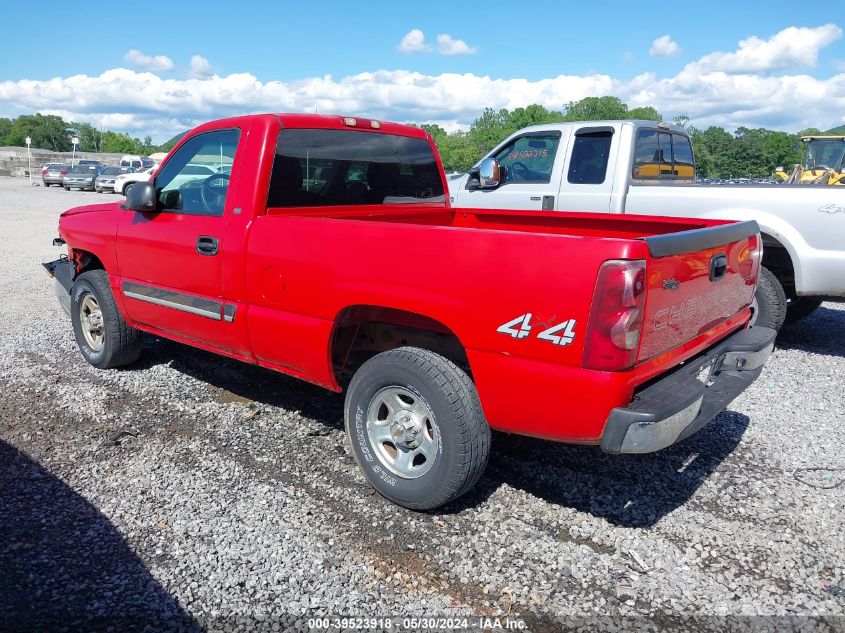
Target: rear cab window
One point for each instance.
(323, 167)
(661, 156)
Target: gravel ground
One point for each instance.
(191, 491)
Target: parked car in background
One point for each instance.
(53, 174)
(124, 181)
(82, 177)
(105, 181)
(87, 161)
(130, 160)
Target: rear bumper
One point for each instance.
(676, 406)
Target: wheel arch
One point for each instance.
(361, 331)
(85, 260)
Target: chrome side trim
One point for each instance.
(229, 311)
(207, 308)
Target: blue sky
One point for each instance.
(289, 48)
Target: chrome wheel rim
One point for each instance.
(91, 320)
(402, 431)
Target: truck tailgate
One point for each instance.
(696, 280)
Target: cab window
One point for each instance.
(529, 158)
(195, 180)
(590, 154)
(663, 156)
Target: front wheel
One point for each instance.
(102, 335)
(769, 307)
(416, 427)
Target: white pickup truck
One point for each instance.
(648, 168)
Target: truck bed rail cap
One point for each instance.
(699, 239)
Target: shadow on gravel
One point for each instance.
(822, 332)
(243, 382)
(627, 490)
(64, 566)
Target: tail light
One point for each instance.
(64, 172)
(749, 264)
(616, 316)
(43, 172)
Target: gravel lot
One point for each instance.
(193, 492)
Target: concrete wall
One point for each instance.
(13, 160)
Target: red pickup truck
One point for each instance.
(325, 247)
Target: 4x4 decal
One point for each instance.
(519, 328)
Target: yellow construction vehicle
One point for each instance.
(822, 162)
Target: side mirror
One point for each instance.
(489, 173)
(141, 197)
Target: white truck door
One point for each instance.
(586, 181)
(530, 161)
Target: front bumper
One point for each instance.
(676, 406)
(62, 271)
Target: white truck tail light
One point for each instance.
(616, 316)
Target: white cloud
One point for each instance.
(414, 42)
(791, 47)
(148, 62)
(145, 103)
(664, 46)
(447, 45)
(200, 68)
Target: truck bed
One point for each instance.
(628, 226)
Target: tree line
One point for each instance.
(52, 132)
(745, 152)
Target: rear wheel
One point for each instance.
(769, 307)
(126, 189)
(416, 427)
(800, 307)
(102, 335)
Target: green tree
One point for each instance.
(595, 109)
(47, 131)
(645, 114)
(116, 143)
(5, 128)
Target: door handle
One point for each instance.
(207, 245)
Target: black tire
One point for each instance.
(121, 344)
(770, 310)
(67, 188)
(460, 430)
(800, 307)
(127, 188)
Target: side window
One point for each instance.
(196, 178)
(662, 156)
(529, 158)
(590, 154)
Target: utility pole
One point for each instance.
(29, 158)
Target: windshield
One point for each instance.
(316, 168)
(823, 153)
(84, 169)
(113, 171)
